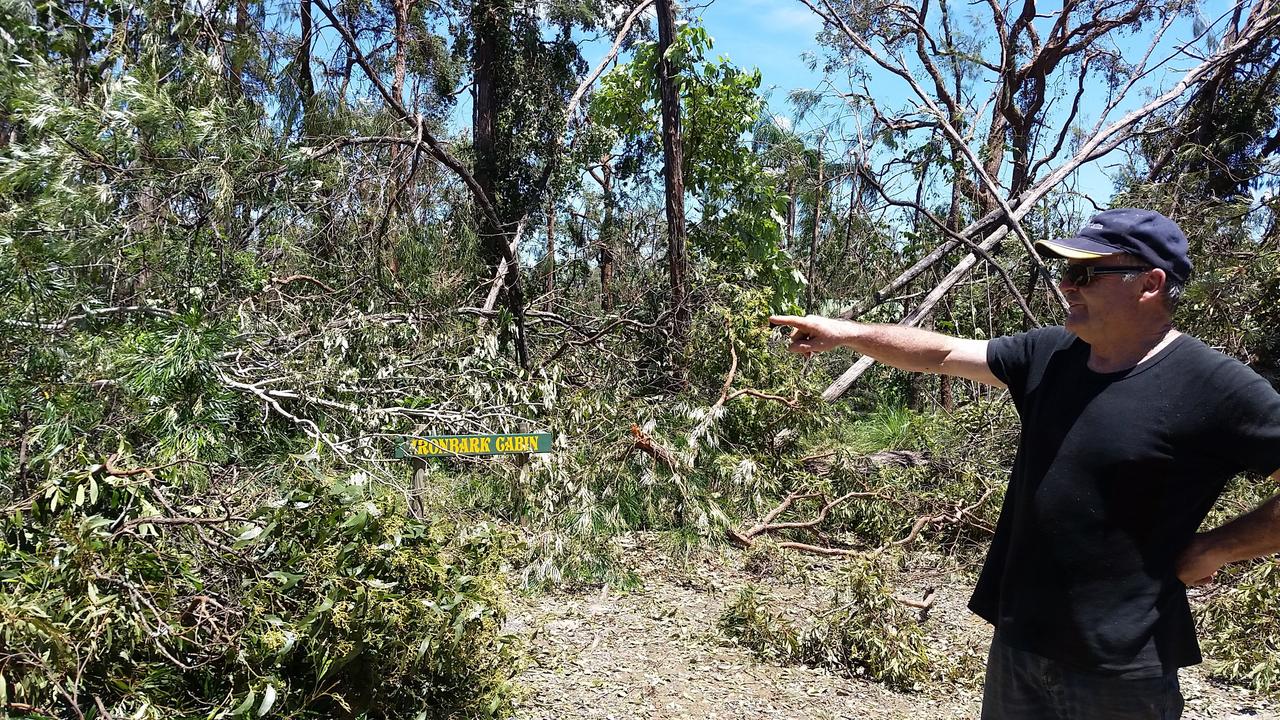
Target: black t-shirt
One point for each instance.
(1114, 474)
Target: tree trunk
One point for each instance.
(855, 206)
(813, 240)
(349, 17)
(673, 173)
(485, 25)
(788, 237)
(399, 183)
(238, 54)
(306, 87)
(551, 250)
(401, 10)
(490, 23)
(80, 54)
(608, 230)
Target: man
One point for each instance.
(1130, 430)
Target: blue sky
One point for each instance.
(768, 34)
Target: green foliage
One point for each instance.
(169, 377)
(1241, 626)
(723, 461)
(321, 601)
(1231, 299)
(751, 622)
(535, 67)
(1219, 145)
(868, 631)
(885, 428)
(740, 231)
(861, 631)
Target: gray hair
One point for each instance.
(1173, 291)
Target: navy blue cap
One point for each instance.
(1142, 233)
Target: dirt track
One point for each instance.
(656, 653)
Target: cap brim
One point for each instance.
(1076, 248)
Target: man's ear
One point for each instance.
(1153, 284)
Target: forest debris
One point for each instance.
(281, 282)
(959, 514)
(823, 463)
(924, 605)
(652, 448)
(746, 538)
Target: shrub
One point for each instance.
(322, 601)
(1241, 627)
(862, 630)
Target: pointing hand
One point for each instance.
(814, 333)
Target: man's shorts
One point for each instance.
(1025, 686)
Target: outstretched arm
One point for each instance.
(1252, 535)
(905, 348)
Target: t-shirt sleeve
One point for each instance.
(1010, 357)
(1249, 427)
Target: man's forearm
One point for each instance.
(905, 348)
(902, 347)
(1254, 534)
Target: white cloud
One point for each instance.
(780, 15)
(788, 17)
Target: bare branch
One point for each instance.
(608, 58)
(72, 320)
(1011, 211)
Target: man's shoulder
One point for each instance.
(1014, 359)
(1048, 332)
(1191, 349)
(1211, 366)
(1048, 338)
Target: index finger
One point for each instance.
(789, 320)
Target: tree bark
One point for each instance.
(306, 87)
(608, 231)
(551, 250)
(350, 20)
(673, 173)
(385, 249)
(486, 25)
(238, 53)
(788, 237)
(817, 223)
(401, 10)
(80, 54)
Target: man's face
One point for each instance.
(1106, 302)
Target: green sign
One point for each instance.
(447, 445)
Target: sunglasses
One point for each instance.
(1082, 275)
